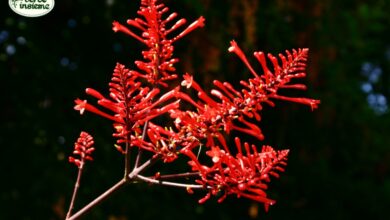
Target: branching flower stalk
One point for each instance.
(83, 149)
(137, 97)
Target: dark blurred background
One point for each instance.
(339, 166)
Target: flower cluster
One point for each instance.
(245, 174)
(233, 106)
(230, 109)
(130, 103)
(138, 97)
(83, 149)
(261, 88)
(155, 34)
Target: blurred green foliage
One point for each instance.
(339, 166)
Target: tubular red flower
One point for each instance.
(83, 105)
(234, 48)
(196, 24)
(310, 102)
(116, 26)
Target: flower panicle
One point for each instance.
(245, 175)
(264, 87)
(155, 31)
(129, 104)
(135, 99)
(83, 149)
(229, 109)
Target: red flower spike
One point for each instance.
(130, 104)
(158, 64)
(240, 175)
(82, 149)
(292, 67)
(234, 105)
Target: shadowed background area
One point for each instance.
(339, 164)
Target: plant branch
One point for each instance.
(98, 200)
(139, 169)
(75, 190)
(127, 161)
(167, 183)
(179, 175)
(139, 154)
(113, 189)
